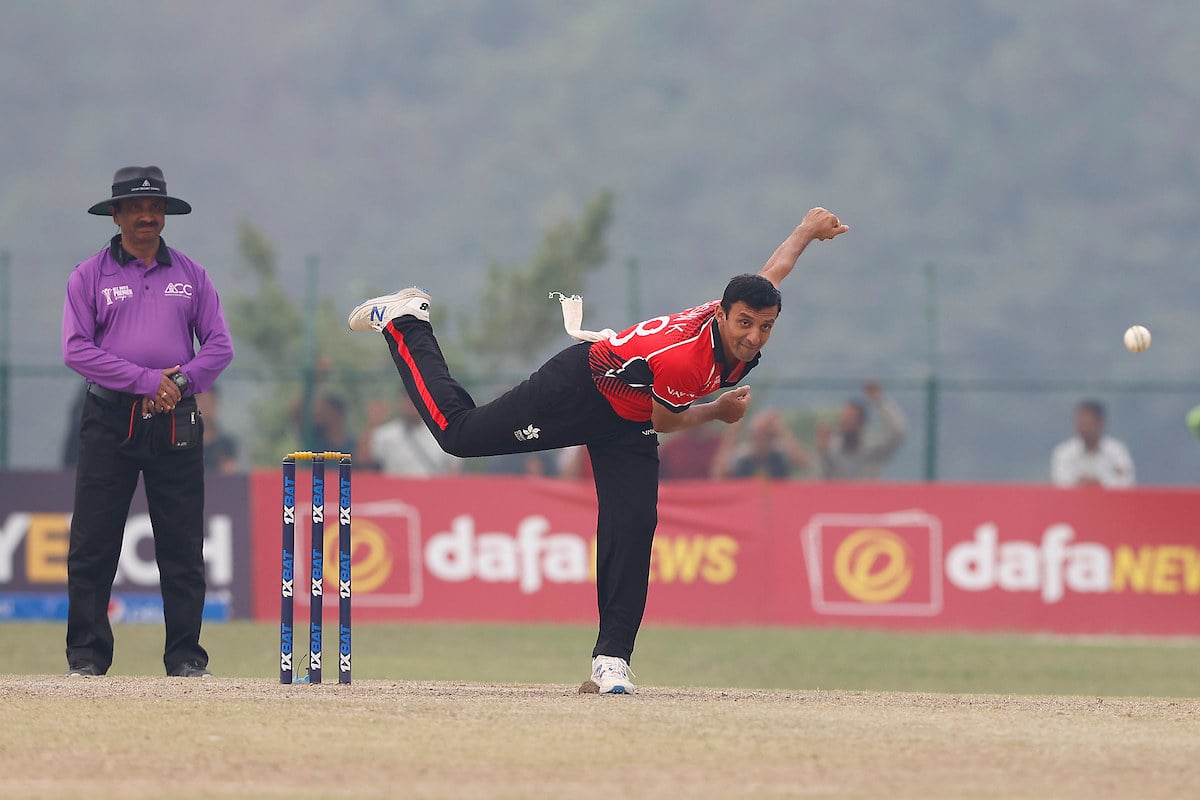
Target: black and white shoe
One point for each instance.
(84, 669)
(376, 313)
(190, 669)
(610, 675)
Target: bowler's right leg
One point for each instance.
(546, 411)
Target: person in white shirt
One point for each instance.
(1091, 458)
(402, 445)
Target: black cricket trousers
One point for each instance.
(557, 406)
(105, 480)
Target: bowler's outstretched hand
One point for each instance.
(818, 223)
(822, 224)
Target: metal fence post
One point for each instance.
(309, 366)
(931, 381)
(5, 355)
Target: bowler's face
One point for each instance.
(745, 330)
(141, 220)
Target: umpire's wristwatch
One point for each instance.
(180, 380)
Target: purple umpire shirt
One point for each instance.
(124, 323)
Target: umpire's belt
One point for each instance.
(108, 395)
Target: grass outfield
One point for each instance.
(486, 712)
(749, 658)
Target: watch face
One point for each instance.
(180, 380)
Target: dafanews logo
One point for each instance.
(875, 564)
(1050, 568)
(1059, 564)
(385, 556)
(893, 565)
(535, 555)
(384, 560)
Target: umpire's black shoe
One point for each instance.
(190, 669)
(83, 669)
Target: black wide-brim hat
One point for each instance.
(130, 182)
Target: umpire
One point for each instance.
(133, 315)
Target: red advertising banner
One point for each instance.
(514, 549)
(998, 558)
(962, 557)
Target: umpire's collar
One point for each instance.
(163, 256)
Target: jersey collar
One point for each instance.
(719, 354)
(163, 256)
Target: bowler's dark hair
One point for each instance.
(753, 290)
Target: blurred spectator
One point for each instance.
(851, 452)
(401, 445)
(329, 432)
(574, 463)
(1091, 458)
(220, 449)
(689, 454)
(539, 464)
(771, 452)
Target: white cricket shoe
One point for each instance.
(376, 313)
(610, 675)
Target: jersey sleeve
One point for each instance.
(677, 383)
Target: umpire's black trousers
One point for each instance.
(115, 446)
(557, 406)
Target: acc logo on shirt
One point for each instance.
(178, 290)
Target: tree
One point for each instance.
(295, 354)
(516, 320)
(298, 354)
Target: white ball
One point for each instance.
(1137, 338)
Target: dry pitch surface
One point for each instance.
(142, 737)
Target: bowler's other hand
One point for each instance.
(822, 224)
(732, 406)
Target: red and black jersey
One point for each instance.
(673, 360)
